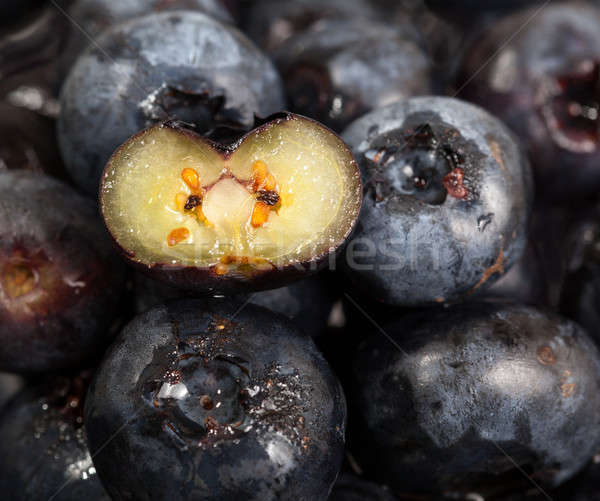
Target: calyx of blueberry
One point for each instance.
(416, 162)
(570, 106)
(208, 394)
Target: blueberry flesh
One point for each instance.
(43, 452)
(215, 402)
(446, 205)
(172, 65)
(271, 22)
(95, 16)
(470, 382)
(339, 69)
(545, 84)
(60, 281)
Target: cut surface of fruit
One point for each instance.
(286, 193)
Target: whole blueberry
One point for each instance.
(215, 401)
(43, 452)
(543, 81)
(447, 201)
(474, 396)
(339, 69)
(172, 65)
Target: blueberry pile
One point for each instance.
(299, 250)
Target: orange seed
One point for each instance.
(260, 214)
(190, 177)
(177, 236)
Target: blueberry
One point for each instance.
(446, 206)
(214, 401)
(43, 453)
(60, 281)
(339, 69)
(171, 65)
(544, 83)
(270, 22)
(472, 396)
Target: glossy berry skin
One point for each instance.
(468, 385)
(307, 302)
(60, 280)
(171, 65)
(271, 22)
(339, 69)
(544, 84)
(95, 16)
(215, 402)
(446, 204)
(43, 452)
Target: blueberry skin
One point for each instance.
(171, 65)
(259, 414)
(43, 452)
(472, 381)
(270, 22)
(95, 16)
(338, 70)
(543, 84)
(455, 236)
(307, 302)
(52, 240)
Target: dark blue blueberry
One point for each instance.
(43, 452)
(61, 282)
(469, 398)
(215, 402)
(339, 69)
(543, 81)
(172, 65)
(447, 201)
